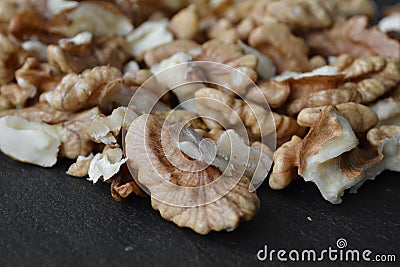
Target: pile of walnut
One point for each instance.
(69, 68)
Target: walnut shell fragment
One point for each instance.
(146, 153)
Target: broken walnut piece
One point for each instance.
(232, 55)
(360, 117)
(72, 133)
(274, 92)
(39, 77)
(5, 104)
(145, 143)
(185, 24)
(40, 112)
(164, 51)
(74, 57)
(184, 116)
(103, 166)
(123, 185)
(30, 142)
(302, 85)
(66, 139)
(15, 94)
(353, 38)
(148, 35)
(388, 109)
(106, 129)
(367, 79)
(276, 41)
(377, 136)
(328, 139)
(99, 17)
(12, 57)
(29, 24)
(228, 111)
(303, 14)
(81, 167)
(286, 160)
(101, 86)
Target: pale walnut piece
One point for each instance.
(40, 112)
(228, 111)
(301, 86)
(265, 67)
(367, 79)
(8, 9)
(161, 52)
(17, 95)
(106, 129)
(5, 104)
(212, 134)
(38, 77)
(184, 116)
(106, 164)
(286, 160)
(275, 40)
(101, 86)
(185, 24)
(234, 56)
(146, 154)
(29, 24)
(388, 109)
(100, 18)
(74, 56)
(224, 31)
(253, 161)
(72, 134)
(353, 38)
(148, 35)
(11, 58)
(30, 142)
(360, 117)
(274, 92)
(320, 152)
(302, 14)
(81, 167)
(386, 141)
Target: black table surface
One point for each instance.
(49, 218)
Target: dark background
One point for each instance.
(48, 218)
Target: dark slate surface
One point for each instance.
(48, 218)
